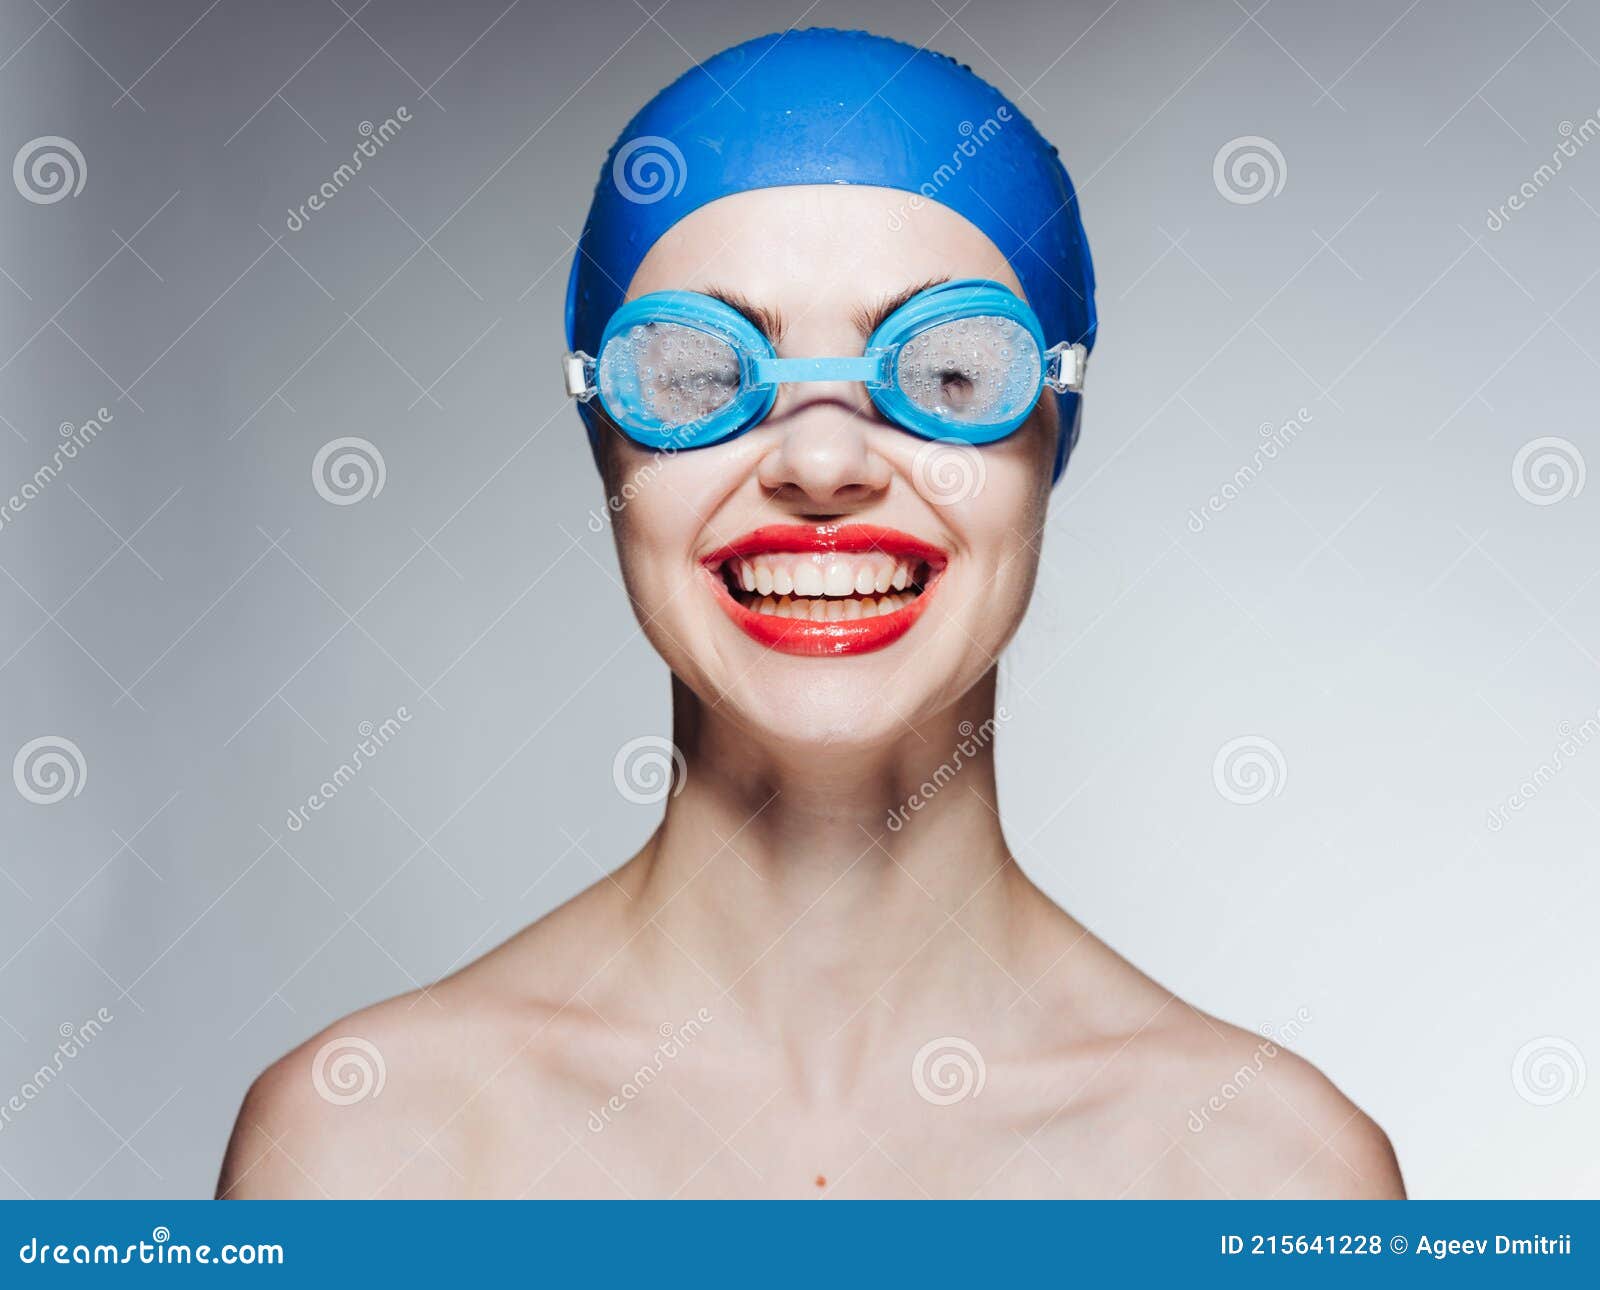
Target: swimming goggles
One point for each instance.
(963, 360)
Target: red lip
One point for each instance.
(828, 639)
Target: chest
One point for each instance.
(678, 1141)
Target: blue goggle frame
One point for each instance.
(1061, 367)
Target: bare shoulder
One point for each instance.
(419, 1095)
(1250, 1118)
(396, 1100)
(1173, 1102)
(343, 1114)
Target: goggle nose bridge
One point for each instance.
(870, 369)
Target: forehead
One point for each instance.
(820, 244)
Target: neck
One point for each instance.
(808, 883)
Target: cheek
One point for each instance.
(660, 504)
(1000, 529)
(1010, 477)
(1006, 564)
(994, 496)
(674, 488)
(652, 543)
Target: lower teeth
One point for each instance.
(826, 609)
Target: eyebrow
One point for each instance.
(868, 321)
(771, 322)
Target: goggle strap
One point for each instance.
(578, 375)
(1065, 367)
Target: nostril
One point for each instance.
(847, 495)
(822, 502)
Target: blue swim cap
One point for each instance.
(820, 106)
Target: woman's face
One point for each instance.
(916, 558)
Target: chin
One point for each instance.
(834, 706)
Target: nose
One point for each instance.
(822, 459)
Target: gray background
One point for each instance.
(1382, 603)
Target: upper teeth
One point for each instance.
(831, 574)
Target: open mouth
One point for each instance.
(825, 589)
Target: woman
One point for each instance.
(841, 303)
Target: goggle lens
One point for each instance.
(971, 371)
(675, 375)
